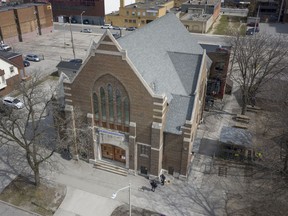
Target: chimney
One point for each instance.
(122, 3)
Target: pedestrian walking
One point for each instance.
(153, 184)
(163, 178)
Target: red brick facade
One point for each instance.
(148, 150)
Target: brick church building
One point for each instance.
(143, 96)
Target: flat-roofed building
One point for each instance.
(139, 13)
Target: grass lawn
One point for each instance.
(228, 23)
(43, 200)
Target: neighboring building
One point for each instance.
(197, 22)
(200, 15)
(63, 9)
(11, 71)
(25, 21)
(143, 96)
(139, 14)
(211, 7)
(218, 82)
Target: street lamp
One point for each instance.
(115, 194)
(82, 20)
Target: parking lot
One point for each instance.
(53, 47)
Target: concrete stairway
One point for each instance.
(109, 167)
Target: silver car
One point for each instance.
(13, 102)
(31, 57)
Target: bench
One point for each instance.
(242, 126)
(252, 108)
(242, 118)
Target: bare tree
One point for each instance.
(31, 128)
(256, 60)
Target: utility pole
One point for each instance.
(280, 12)
(257, 21)
(72, 42)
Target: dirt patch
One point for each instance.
(123, 210)
(43, 200)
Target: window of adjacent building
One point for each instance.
(2, 79)
(130, 21)
(126, 20)
(133, 13)
(144, 13)
(144, 150)
(11, 69)
(127, 13)
(139, 13)
(219, 66)
(134, 21)
(142, 21)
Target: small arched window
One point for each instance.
(95, 106)
(103, 103)
(110, 101)
(126, 111)
(118, 106)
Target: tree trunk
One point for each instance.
(244, 103)
(36, 175)
(286, 160)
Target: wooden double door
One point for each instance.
(113, 153)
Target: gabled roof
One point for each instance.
(70, 69)
(155, 50)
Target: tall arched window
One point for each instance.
(126, 111)
(95, 106)
(103, 103)
(118, 106)
(111, 104)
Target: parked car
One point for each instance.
(252, 24)
(86, 21)
(32, 57)
(116, 28)
(5, 47)
(131, 29)
(107, 26)
(73, 20)
(13, 102)
(87, 30)
(26, 63)
(251, 31)
(79, 61)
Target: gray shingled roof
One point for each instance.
(69, 68)
(236, 136)
(8, 55)
(179, 110)
(150, 49)
(187, 67)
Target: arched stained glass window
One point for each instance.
(103, 103)
(126, 111)
(95, 106)
(110, 101)
(118, 106)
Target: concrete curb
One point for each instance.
(17, 207)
